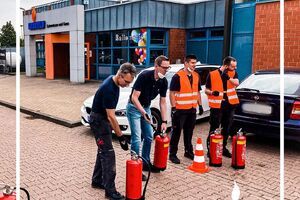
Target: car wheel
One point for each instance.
(156, 118)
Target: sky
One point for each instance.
(8, 11)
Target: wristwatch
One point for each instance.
(164, 121)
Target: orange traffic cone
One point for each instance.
(199, 164)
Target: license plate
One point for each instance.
(257, 108)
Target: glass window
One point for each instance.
(120, 56)
(120, 38)
(198, 34)
(155, 53)
(217, 33)
(104, 40)
(138, 56)
(157, 37)
(138, 37)
(104, 56)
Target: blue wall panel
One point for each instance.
(128, 13)
(106, 19)
(120, 17)
(190, 22)
(100, 19)
(199, 16)
(154, 14)
(209, 14)
(241, 14)
(144, 14)
(136, 14)
(220, 13)
(94, 20)
(159, 14)
(88, 21)
(113, 18)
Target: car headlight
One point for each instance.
(120, 113)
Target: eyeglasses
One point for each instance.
(165, 68)
(128, 82)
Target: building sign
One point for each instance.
(56, 25)
(37, 25)
(121, 37)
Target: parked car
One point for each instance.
(259, 108)
(203, 70)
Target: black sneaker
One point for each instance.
(153, 168)
(97, 185)
(114, 196)
(189, 155)
(144, 177)
(174, 159)
(226, 153)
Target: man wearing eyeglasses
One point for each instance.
(102, 121)
(147, 86)
(184, 98)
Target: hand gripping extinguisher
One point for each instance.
(162, 142)
(238, 150)
(8, 193)
(216, 148)
(134, 168)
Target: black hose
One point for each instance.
(26, 191)
(149, 172)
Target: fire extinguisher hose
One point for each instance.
(149, 172)
(26, 191)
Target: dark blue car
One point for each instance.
(259, 108)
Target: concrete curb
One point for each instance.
(43, 116)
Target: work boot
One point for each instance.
(174, 159)
(114, 196)
(189, 155)
(97, 185)
(226, 153)
(153, 168)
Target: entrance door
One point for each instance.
(242, 37)
(87, 67)
(61, 54)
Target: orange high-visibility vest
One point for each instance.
(217, 85)
(187, 97)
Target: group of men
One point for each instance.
(184, 97)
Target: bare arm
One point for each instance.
(199, 98)
(234, 81)
(163, 108)
(113, 121)
(208, 91)
(136, 102)
(172, 98)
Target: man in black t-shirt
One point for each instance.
(102, 121)
(148, 85)
(222, 101)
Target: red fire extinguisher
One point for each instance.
(216, 148)
(238, 150)
(162, 142)
(134, 167)
(8, 193)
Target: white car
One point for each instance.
(203, 70)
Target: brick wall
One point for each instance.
(292, 33)
(266, 37)
(177, 42)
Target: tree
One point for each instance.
(8, 35)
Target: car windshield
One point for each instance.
(169, 76)
(270, 83)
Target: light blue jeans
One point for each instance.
(140, 130)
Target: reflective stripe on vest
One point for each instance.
(217, 85)
(187, 97)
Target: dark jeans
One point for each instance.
(105, 166)
(223, 116)
(185, 121)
